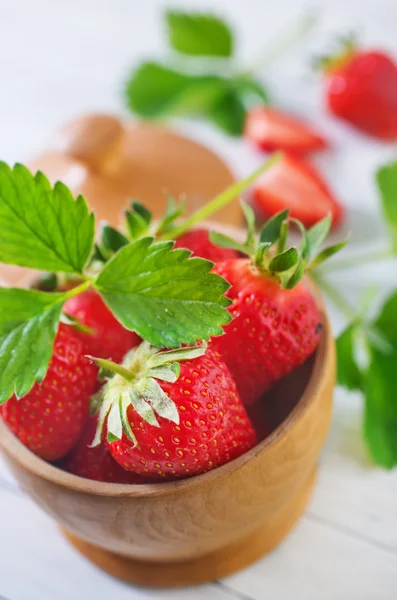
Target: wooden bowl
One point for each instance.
(203, 528)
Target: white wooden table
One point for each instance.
(60, 58)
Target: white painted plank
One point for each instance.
(319, 563)
(36, 563)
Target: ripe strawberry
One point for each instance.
(276, 320)
(108, 338)
(96, 463)
(201, 422)
(273, 330)
(197, 240)
(361, 88)
(295, 184)
(50, 418)
(271, 129)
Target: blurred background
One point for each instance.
(61, 59)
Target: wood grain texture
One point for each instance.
(187, 520)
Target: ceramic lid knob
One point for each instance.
(95, 140)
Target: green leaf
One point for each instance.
(380, 413)
(154, 90)
(386, 178)
(28, 324)
(166, 297)
(228, 112)
(250, 220)
(250, 91)
(138, 220)
(270, 231)
(41, 227)
(318, 233)
(111, 241)
(296, 275)
(387, 318)
(327, 253)
(285, 261)
(349, 374)
(175, 209)
(198, 34)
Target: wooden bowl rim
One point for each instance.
(32, 463)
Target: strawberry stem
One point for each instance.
(335, 296)
(282, 44)
(350, 262)
(221, 200)
(79, 288)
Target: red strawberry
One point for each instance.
(295, 184)
(201, 422)
(276, 321)
(109, 339)
(271, 129)
(361, 88)
(273, 329)
(96, 463)
(197, 240)
(50, 418)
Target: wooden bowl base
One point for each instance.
(213, 566)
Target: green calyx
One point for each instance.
(345, 49)
(268, 250)
(135, 383)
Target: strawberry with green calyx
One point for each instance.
(50, 418)
(172, 420)
(361, 88)
(276, 320)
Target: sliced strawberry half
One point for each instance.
(271, 129)
(295, 184)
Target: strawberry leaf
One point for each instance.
(270, 231)
(155, 90)
(198, 34)
(386, 178)
(327, 253)
(349, 373)
(42, 227)
(285, 261)
(228, 111)
(380, 412)
(166, 297)
(28, 324)
(318, 233)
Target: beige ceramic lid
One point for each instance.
(111, 163)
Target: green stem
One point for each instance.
(79, 288)
(358, 260)
(335, 296)
(221, 200)
(109, 365)
(281, 44)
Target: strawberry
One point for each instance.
(271, 129)
(108, 338)
(295, 184)
(201, 422)
(361, 88)
(276, 321)
(197, 240)
(51, 417)
(273, 330)
(96, 463)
